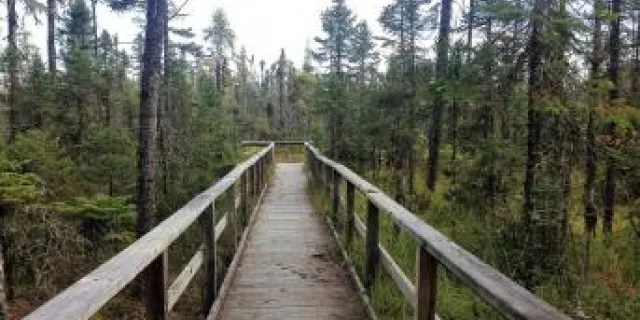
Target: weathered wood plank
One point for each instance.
(503, 294)
(184, 278)
(287, 270)
(233, 267)
(89, 294)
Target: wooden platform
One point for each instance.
(291, 269)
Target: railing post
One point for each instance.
(157, 274)
(244, 201)
(426, 285)
(251, 182)
(233, 214)
(209, 288)
(349, 225)
(372, 251)
(336, 193)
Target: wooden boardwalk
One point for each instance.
(291, 268)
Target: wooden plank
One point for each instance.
(350, 213)
(371, 249)
(403, 282)
(427, 283)
(184, 278)
(89, 294)
(233, 267)
(157, 278)
(288, 270)
(362, 293)
(209, 286)
(503, 294)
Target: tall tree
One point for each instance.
(439, 101)
(337, 25)
(12, 56)
(51, 34)
(614, 95)
(596, 59)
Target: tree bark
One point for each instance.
(94, 17)
(4, 283)
(614, 95)
(438, 110)
(590, 215)
(533, 133)
(149, 98)
(12, 20)
(51, 35)
(147, 143)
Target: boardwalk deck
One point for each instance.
(290, 269)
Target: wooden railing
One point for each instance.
(434, 250)
(149, 255)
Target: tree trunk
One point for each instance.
(471, 17)
(147, 143)
(164, 108)
(438, 110)
(149, 98)
(4, 303)
(590, 215)
(614, 95)
(533, 135)
(12, 20)
(94, 18)
(4, 283)
(51, 35)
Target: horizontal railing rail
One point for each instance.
(260, 143)
(434, 250)
(149, 254)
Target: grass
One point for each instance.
(609, 292)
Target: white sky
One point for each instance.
(262, 26)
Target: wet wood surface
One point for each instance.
(291, 268)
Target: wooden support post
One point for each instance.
(244, 201)
(336, 193)
(209, 288)
(233, 214)
(327, 174)
(372, 251)
(350, 212)
(426, 285)
(157, 276)
(252, 177)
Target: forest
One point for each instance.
(509, 125)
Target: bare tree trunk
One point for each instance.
(470, 20)
(614, 95)
(51, 35)
(94, 17)
(439, 104)
(12, 20)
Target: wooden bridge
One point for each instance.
(284, 262)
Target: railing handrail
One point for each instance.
(85, 297)
(502, 293)
(260, 143)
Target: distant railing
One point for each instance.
(434, 250)
(149, 256)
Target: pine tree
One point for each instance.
(337, 25)
(439, 103)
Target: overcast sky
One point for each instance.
(262, 26)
